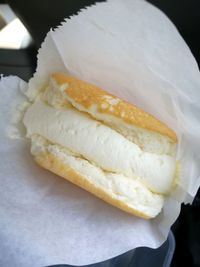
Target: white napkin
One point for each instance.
(131, 49)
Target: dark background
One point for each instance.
(40, 16)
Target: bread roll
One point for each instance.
(103, 144)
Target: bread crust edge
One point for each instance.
(57, 166)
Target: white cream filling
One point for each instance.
(99, 144)
(131, 191)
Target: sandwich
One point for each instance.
(103, 144)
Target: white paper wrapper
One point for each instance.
(131, 49)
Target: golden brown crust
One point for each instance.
(57, 166)
(86, 94)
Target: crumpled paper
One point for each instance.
(132, 50)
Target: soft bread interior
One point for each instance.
(147, 140)
(127, 194)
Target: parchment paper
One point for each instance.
(131, 49)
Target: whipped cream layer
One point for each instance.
(99, 144)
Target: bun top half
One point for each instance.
(87, 96)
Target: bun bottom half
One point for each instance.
(144, 203)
